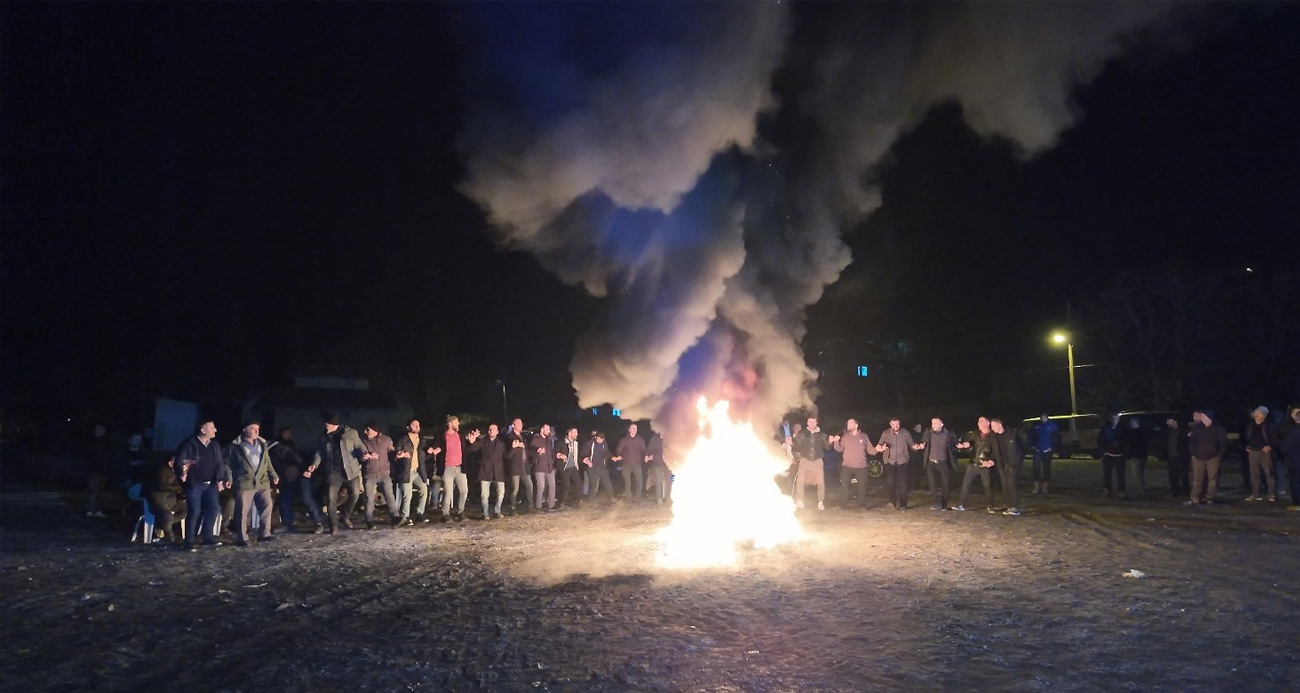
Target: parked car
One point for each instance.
(1088, 427)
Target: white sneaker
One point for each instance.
(821, 505)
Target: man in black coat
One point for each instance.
(492, 452)
(202, 472)
(595, 453)
(631, 453)
(517, 464)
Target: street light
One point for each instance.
(1064, 338)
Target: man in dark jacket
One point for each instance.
(1175, 453)
(166, 497)
(413, 473)
(541, 454)
(1138, 449)
(1009, 456)
(568, 456)
(1110, 439)
(376, 469)
(1261, 442)
(895, 445)
(809, 448)
(595, 454)
(252, 476)
(492, 452)
(630, 451)
(1045, 436)
(657, 474)
(288, 463)
(202, 472)
(981, 463)
(939, 449)
(339, 450)
(1207, 441)
(1290, 445)
(517, 465)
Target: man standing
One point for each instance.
(413, 471)
(854, 445)
(657, 468)
(895, 443)
(517, 465)
(203, 474)
(491, 468)
(596, 452)
(252, 475)
(378, 473)
(1291, 455)
(809, 447)
(1207, 441)
(1110, 440)
(1260, 441)
(1044, 435)
(340, 450)
(939, 449)
(541, 453)
(99, 463)
(1175, 453)
(1009, 454)
(288, 463)
(453, 474)
(1138, 449)
(631, 452)
(981, 461)
(570, 476)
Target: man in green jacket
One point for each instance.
(251, 475)
(340, 450)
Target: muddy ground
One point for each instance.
(572, 601)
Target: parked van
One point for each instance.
(1088, 427)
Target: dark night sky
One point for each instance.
(211, 198)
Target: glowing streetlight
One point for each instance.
(1059, 337)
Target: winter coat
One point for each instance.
(492, 458)
(632, 450)
(809, 446)
(516, 458)
(380, 467)
(1207, 442)
(1009, 449)
(287, 461)
(900, 445)
(928, 440)
(401, 468)
(541, 454)
(209, 465)
(345, 442)
(242, 472)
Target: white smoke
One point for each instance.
(654, 189)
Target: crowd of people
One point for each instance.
(420, 478)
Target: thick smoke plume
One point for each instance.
(639, 171)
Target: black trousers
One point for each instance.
(570, 486)
(854, 494)
(937, 474)
(598, 478)
(898, 479)
(1179, 483)
(972, 471)
(632, 480)
(354, 494)
(1113, 464)
(1010, 478)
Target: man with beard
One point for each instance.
(288, 463)
(658, 475)
(1207, 441)
(541, 453)
(413, 472)
(378, 473)
(339, 450)
(202, 472)
(981, 461)
(567, 456)
(895, 443)
(453, 475)
(517, 465)
(252, 476)
(1009, 455)
(939, 449)
(854, 445)
(596, 452)
(631, 452)
(809, 446)
(491, 468)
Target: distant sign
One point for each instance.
(862, 371)
(618, 412)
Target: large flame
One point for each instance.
(725, 495)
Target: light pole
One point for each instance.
(1064, 338)
(505, 411)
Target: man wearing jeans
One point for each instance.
(1044, 435)
(378, 473)
(939, 449)
(1206, 442)
(453, 473)
(202, 474)
(412, 472)
(288, 463)
(541, 453)
(491, 468)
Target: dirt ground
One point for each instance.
(572, 601)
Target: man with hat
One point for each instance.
(1260, 441)
(377, 472)
(252, 476)
(340, 450)
(1206, 442)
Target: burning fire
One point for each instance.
(725, 494)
